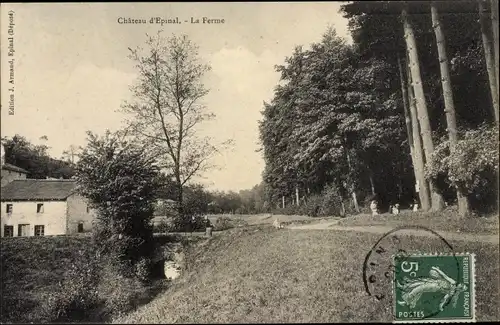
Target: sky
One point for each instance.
(71, 72)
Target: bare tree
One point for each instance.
(70, 154)
(167, 107)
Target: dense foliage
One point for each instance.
(472, 166)
(121, 183)
(336, 118)
(34, 158)
(332, 120)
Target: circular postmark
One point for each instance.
(397, 269)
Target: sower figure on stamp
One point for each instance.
(437, 282)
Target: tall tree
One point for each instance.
(449, 105)
(414, 139)
(120, 180)
(425, 128)
(494, 26)
(489, 56)
(167, 107)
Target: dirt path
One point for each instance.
(492, 239)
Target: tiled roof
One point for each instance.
(14, 168)
(38, 189)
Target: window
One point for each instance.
(9, 208)
(23, 230)
(80, 227)
(8, 231)
(39, 230)
(39, 208)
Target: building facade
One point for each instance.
(42, 207)
(10, 172)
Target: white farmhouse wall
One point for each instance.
(77, 212)
(25, 212)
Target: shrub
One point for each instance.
(121, 182)
(223, 223)
(119, 294)
(76, 295)
(188, 224)
(472, 167)
(142, 269)
(162, 227)
(327, 203)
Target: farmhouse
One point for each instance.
(10, 172)
(38, 207)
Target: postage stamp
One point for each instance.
(434, 288)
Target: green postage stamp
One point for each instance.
(434, 288)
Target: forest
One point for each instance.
(407, 113)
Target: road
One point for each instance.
(332, 225)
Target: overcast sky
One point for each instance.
(71, 70)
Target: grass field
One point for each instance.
(447, 220)
(258, 274)
(32, 267)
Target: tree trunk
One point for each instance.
(355, 201)
(297, 198)
(283, 201)
(412, 129)
(449, 105)
(423, 192)
(423, 117)
(494, 25)
(180, 199)
(372, 184)
(354, 196)
(488, 54)
(406, 109)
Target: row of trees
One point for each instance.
(366, 118)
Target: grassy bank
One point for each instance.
(447, 220)
(33, 269)
(259, 274)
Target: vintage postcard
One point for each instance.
(260, 162)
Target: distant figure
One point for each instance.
(395, 208)
(374, 207)
(277, 224)
(415, 206)
(193, 224)
(208, 223)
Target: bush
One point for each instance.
(186, 224)
(75, 296)
(142, 269)
(472, 167)
(120, 294)
(162, 227)
(223, 223)
(327, 203)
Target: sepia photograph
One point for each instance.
(250, 162)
